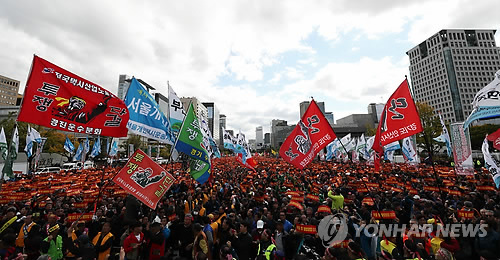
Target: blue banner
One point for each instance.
(482, 113)
(146, 119)
(114, 147)
(78, 154)
(96, 149)
(68, 145)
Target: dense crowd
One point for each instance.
(245, 214)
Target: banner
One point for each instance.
(12, 155)
(462, 152)
(96, 149)
(74, 217)
(146, 119)
(68, 146)
(465, 214)
(486, 103)
(59, 99)
(228, 140)
(176, 111)
(3, 145)
(312, 133)
(190, 142)
(114, 147)
(495, 138)
(387, 214)
(445, 136)
(78, 154)
(144, 179)
(399, 118)
(490, 163)
(306, 229)
(409, 150)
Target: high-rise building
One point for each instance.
(162, 103)
(376, 111)
(213, 120)
(199, 108)
(279, 132)
(450, 67)
(8, 91)
(122, 86)
(329, 117)
(222, 124)
(304, 105)
(267, 139)
(259, 137)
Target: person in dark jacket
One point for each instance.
(32, 243)
(156, 242)
(243, 243)
(81, 248)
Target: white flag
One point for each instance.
(490, 163)
(29, 142)
(3, 145)
(486, 103)
(409, 151)
(445, 136)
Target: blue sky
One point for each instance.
(257, 60)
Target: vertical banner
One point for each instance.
(144, 179)
(130, 150)
(409, 151)
(462, 152)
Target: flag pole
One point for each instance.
(177, 137)
(429, 147)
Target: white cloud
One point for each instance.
(193, 43)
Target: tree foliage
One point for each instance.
(431, 129)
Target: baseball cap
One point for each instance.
(260, 224)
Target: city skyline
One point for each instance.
(256, 61)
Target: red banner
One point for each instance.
(430, 188)
(144, 179)
(298, 199)
(312, 197)
(250, 163)
(387, 214)
(325, 209)
(306, 229)
(296, 204)
(485, 188)
(495, 138)
(368, 201)
(312, 133)
(59, 99)
(465, 214)
(399, 119)
(74, 217)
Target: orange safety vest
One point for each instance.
(73, 239)
(103, 255)
(23, 233)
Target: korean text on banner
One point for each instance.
(144, 179)
(312, 133)
(59, 99)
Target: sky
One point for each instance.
(257, 60)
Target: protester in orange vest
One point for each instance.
(25, 229)
(103, 242)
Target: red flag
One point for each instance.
(495, 138)
(144, 179)
(59, 99)
(250, 162)
(312, 133)
(399, 119)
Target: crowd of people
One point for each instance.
(246, 214)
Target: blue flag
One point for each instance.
(68, 145)
(78, 154)
(96, 149)
(146, 119)
(114, 147)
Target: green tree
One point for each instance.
(370, 130)
(136, 140)
(431, 129)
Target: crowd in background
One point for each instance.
(245, 214)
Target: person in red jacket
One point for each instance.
(132, 244)
(156, 242)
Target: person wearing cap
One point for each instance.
(52, 245)
(103, 242)
(200, 244)
(24, 231)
